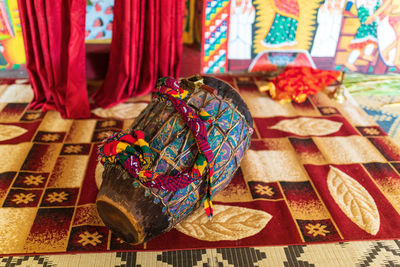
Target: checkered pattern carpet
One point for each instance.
(38, 182)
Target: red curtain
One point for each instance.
(146, 44)
(54, 33)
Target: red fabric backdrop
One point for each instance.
(146, 44)
(54, 33)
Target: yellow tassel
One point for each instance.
(208, 208)
(200, 168)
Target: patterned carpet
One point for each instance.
(361, 253)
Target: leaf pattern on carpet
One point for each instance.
(17, 93)
(98, 174)
(354, 200)
(228, 223)
(8, 132)
(308, 126)
(121, 111)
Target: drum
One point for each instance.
(136, 209)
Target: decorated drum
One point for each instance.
(136, 210)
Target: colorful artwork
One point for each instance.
(99, 18)
(240, 30)
(12, 53)
(345, 35)
(215, 31)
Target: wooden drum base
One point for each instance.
(119, 221)
(128, 211)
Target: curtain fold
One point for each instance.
(54, 33)
(146, 44)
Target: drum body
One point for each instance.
(137, 213)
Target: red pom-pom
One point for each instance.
(139, 134)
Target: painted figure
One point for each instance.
(347, 9)
(99, 18)
(329, 22)
(240, 29)
(391, 9)
(12, 52)
(365, 41)
(282, 33)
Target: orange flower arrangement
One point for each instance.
(296, 83)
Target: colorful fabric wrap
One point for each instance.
(135, 155)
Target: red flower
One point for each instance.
(296, 83)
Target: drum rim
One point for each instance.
(227, 91)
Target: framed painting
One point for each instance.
(259, 35)
(99, 18)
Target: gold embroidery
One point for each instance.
(57, 197)
(264, 190)
(33, 180)
(23, 198)
(371, 131)
(32, 116)
(88, 238)
(316, 229)
(50, 137)
(73, 149)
